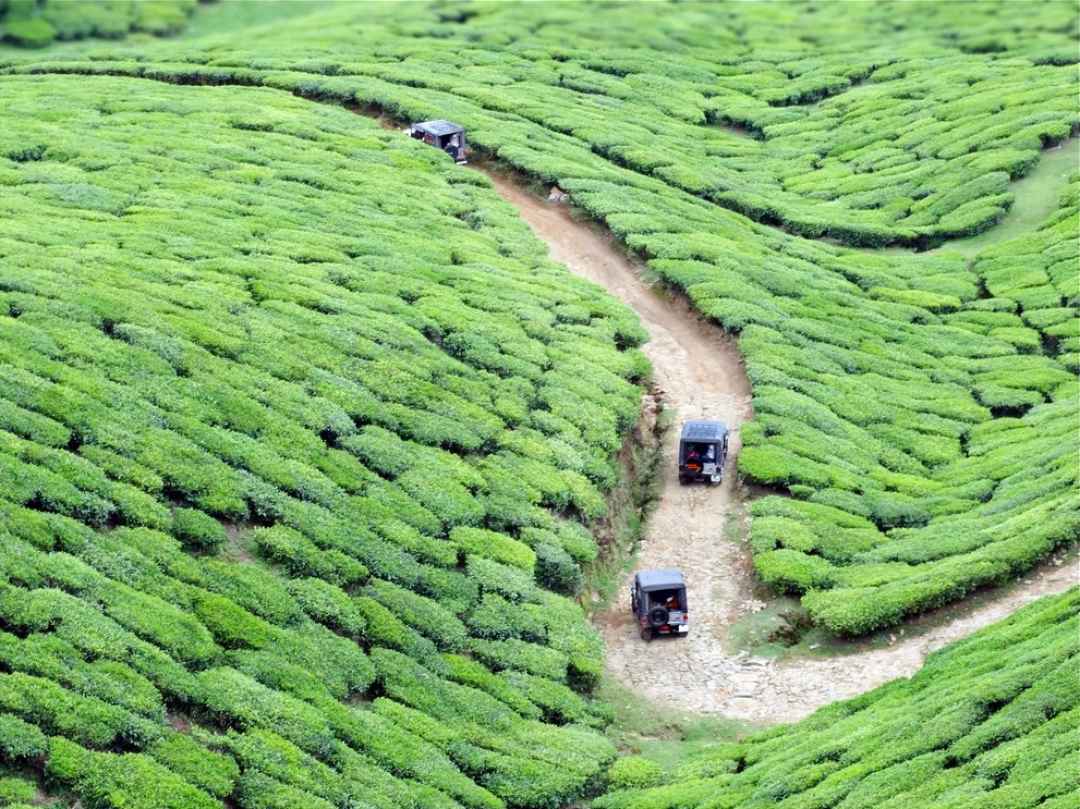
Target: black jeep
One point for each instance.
(445, 135)
(658, 601)
(702, 450)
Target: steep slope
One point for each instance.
(884, 409)
(297, 430)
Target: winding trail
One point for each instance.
(700, 374)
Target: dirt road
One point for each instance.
(701, 375)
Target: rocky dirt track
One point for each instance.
(694, 528)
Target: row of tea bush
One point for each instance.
(887, 387)
(862, 136)
(38, 23)
(300, 434)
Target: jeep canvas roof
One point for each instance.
(650, 580)
(704, 431)
(438, 128)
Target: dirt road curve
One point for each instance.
(701, 375)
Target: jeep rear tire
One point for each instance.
(646, 633)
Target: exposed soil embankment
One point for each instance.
(699, 374)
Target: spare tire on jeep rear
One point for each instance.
(658, 616)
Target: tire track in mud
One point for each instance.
(700, 373)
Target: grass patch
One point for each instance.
(231, 17)
(769, 632)
(644, 728)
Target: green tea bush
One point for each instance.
(556, 570)
(387, 630)
(227, 305)
(325, 393)
(862, 363)
(211, 771)
(55, 709)
(512, 653)
(328, 605)
(235, 700)
(197, 530)
(80, 18)
(111, 781)
(495, 617)
(495, 546)
(231, 625)
(16, 791)
(301, 556)
(634, 772)
(453, 704)
(265, 754)
(559, 703)
(46, 655)
(505, 580)
(259, 791)
(789, 569)
(870, 372)
(467, 671)
(423, 614)
(20, 741)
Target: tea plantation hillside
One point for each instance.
(297, 428)
(921, 416)
(990, 722)
(301, 433)
(868, 123)
(37, 23)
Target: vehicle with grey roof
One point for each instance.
(658, 601)
(445, 135)
(703, 449)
